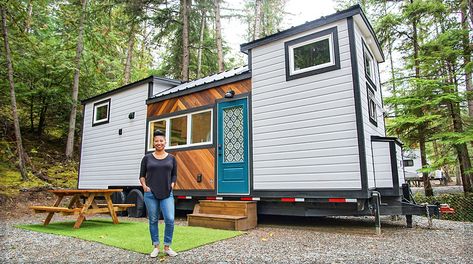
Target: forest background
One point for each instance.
(56, 53)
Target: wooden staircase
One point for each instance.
(231, 215)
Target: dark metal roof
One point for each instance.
(352, 11)
(149, 79)
(208, 82)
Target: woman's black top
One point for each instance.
(159, 174)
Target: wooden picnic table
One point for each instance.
(83, 210)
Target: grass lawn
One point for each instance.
(133, 236)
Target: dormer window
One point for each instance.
(101, 113)
(312, 54)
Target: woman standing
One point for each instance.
(158, 176)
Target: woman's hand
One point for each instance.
(172, 185)
(146, 189)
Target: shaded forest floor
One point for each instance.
(47, 155)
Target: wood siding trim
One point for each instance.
(190, 164)
(198, 99)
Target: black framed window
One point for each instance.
(408, 163)
(369, 65)
(312, 54)
(101, 113)
(372, 112)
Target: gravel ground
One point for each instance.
(275, 240)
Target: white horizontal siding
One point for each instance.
(304, 130)
(110, 159)
(382, 165)
(368, 128)
(159, 87)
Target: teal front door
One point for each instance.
(232, 147)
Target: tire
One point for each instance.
(135, 196)
(119, 198)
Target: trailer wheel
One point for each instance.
(136, 197)
(119, 198)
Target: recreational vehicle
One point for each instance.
(300, 129)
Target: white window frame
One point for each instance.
(103, 120)
(372, 64)
(189, 130)
(315, 67)
(372, 103)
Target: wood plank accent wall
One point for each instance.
(202, 98)
(190, 163)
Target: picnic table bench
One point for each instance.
(83, 210)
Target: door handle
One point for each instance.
(219, 149)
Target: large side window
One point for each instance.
(187, 130)
(372, 106)
(312, 54)
(101, 114)
(369, 65)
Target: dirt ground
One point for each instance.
(276, 240)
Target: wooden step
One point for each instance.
(229, 222)
(226, 207)
(232, 215)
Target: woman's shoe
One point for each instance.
(170, 252)
(155, 253)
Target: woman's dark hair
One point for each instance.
(158, 133)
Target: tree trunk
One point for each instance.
(31, 110)
(461, 149)
(75, 85)
(470, 7)
(29, 16)
(42, 116)
(257, 27)
(218, 32)
(185, 39)
(423, 157)
(201, 44)
(422, 129)
(131, 44)
(467, 56)
(16, 123)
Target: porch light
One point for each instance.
(229, 94)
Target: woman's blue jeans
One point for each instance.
(153, 206)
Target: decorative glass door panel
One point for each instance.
(232, 147)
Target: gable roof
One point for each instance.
(350, 12)
(149, 79)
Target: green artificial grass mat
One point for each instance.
(133, 236)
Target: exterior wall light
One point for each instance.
(229, 94)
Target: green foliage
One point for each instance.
(462, 203)
(272, 15)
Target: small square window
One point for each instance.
(372, 106)
(408, 163)
(101, 113)
(312, 54)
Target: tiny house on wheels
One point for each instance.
(300, 129)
